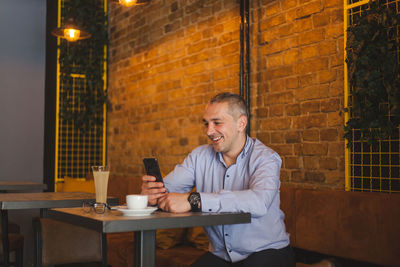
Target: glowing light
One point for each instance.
(72, 35)
(128, 2)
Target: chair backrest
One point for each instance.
(62, 243)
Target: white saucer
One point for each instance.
(141, 212)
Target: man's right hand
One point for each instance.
(154, 190)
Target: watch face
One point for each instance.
(194, 200)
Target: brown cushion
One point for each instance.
(66, 243)
(198, 238)
(75, 185)
(16, 241)
(168, 238)
(357, 225)
(288, 206)
(178, 256)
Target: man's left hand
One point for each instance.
(174, 202)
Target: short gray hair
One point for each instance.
(236, 103)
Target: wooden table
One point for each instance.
(42, 201)
(21, 186)
(144, 226)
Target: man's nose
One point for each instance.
(209, 130)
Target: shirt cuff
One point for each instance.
(209, 202)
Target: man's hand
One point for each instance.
(154, 190)
(174, 202)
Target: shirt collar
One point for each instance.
(242, 153)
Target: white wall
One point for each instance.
(22, 73)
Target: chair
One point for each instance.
(58, 243)
(16, 244)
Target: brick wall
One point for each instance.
(168, 58)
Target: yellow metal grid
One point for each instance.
(76, 152)
(377, 167)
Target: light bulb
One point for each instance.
(72, 35)
(127, 3)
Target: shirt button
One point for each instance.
(209, 209)
(227, 175)
(226, 234)
(230, 251)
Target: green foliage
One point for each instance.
(84, 106)
(373, 72)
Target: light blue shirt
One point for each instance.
(250, 185)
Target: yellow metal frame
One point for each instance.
(58, 179)
(348, 160)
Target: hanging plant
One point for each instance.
(373, 72)
(82, 66)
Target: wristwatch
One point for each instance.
(195, 201)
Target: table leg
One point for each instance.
(4, 237)
(104, 249)
(145, 248)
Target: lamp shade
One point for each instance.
(70, 31)
(128, 3)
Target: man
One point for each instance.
(234, 174)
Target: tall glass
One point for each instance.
(100, 174)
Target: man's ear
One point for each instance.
(242, 123)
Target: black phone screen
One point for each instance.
(152, 168)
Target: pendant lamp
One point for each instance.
(70, 32)
(129, 3)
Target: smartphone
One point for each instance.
(152, 168)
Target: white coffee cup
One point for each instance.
(136, 202)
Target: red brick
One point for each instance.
(264, 137)
(290, 57)
(311, 135)
(275, 124)
(311, 163)
(279, 98)
(287, 4)
(308, 9)
(308, 79)
(283, 149)
(292, 83)
(274, 61)
(321, 19)
(335, 119)
(334, 31)
(311, 37)
(311, 92)
(276, 111)
(286, 30)
(280, 72)
(325, 76)
(328, 163)
(272, 21)
(292, 109)
(302, 25)
(277, 85)
(310, 107)
(336, 149)
(292, 163)
(309, 52)
(277, 138)
(329, 135)
(297, 176)
(275, 46)
(315, 177)
(313, 65)
(332, 104)
(327, 47)
(293, 137)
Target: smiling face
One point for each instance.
(225, 128)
